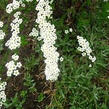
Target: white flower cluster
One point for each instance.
(2, 34)
(85, 48)
(1, 24)
(34, 32)
(12, 6)
(15, 41)
(2, 93)
(13, 66)
(15, 5)
(67, 31)
(48, 35)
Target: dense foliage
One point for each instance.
(82, 79)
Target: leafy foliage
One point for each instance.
(78, 87)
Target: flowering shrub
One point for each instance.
(15, 41)
(13, 65)
(2, 93)
(85, 48)
(2, 34)
(55, 51)
(48, 35)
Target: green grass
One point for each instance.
(79, 86)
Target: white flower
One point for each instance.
(19, 65)
(1, 24)
(85, 48)
(70, 29)
(17, 14)
(9, 8)
(34, 32)
(15, 57)
(61, 59)
(66, 31)
(16, 73)
(2, 96)
(94, 59)
(12, 67)
(9, 73)
(83, 54)
(2, 35)
(2, 86)
(16, 4)
(23, 5)
(90, 65)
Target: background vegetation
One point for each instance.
(78, 87)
